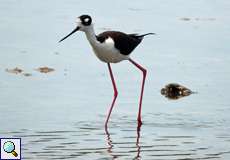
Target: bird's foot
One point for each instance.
(139, 123)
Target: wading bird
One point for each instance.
(112, 47)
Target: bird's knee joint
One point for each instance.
(144, 71)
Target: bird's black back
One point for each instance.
(125, 43)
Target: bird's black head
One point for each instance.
(83, 24)
(86, 20)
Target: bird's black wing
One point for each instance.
(125, 43)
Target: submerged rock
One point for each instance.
(45, 69)
(15, 70)
(27, 74)
(175, 91)
(18, 71)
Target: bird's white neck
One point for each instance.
(90, 34)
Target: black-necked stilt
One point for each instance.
(112, 47)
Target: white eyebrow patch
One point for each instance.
(86, 19)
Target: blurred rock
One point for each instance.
(27, 74)
(15, 70)
(45, 69)
(175, 91)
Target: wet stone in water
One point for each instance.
(15, 70)
(175, 91)
(27, 74)
(185, 19)
(45, 69)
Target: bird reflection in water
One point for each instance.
(138, 143)
(110, 144)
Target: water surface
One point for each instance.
(60, 114)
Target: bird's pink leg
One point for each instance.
(115, 94)
(144, 71)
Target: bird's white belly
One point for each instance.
(106, 52)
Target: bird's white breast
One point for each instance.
(107, 52)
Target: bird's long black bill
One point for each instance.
(75, 30)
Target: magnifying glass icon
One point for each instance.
(9, 147)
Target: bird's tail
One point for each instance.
(140, 36)
(146, 34)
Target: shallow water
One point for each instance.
(61, 114)
(167, 137)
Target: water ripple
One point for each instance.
(162, 139)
